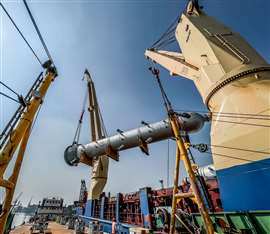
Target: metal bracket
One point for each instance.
(113, 154)
(143, 146)
(86, 160)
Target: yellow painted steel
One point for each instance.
(175, 190)
(183, 155)
(13, 179)
(19, 136)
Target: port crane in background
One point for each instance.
(15, 136)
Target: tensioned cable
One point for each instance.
(78, 129)
(166, 101)
(226, 113)
(239, 117)
(10, 89)
(241, 149)
(38, 31)
(238, 158)
(7, 96)
(19, 31)
(232, 157)
(250, 124)
(102, 122)
(167, 35)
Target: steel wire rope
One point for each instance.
(102, 122)
(21, 34)
(241, 149)
(239, 117)
(237, 158)
(78, 129)
(242, 123)
(38, 31)
(171, 29)
(20, 98)
(226, 113)
(12, 90)
(242, 115)
(9, 97)
(166, 101)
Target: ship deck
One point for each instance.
(54, 227)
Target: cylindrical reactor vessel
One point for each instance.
(139, 137)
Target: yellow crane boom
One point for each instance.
(19, 136)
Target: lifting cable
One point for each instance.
(165, 98)
(9, 97)
(38, 32)
(240, 117)
(204, 149)
(231, 114)
(78, 129)
(104, 130)
(243, 123)
(19, 31)
(167, 37)
(241, 149)
(20, 98)
(215, 116)
(170, 110)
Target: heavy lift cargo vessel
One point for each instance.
(227, 72)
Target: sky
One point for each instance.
(109, 38)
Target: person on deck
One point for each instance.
(114, 226)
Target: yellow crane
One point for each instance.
(17, 134)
